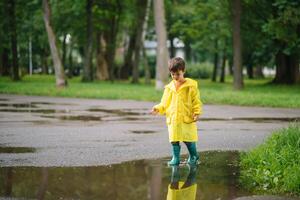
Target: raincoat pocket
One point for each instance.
(188, 119)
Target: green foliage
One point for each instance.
(199, 70)
(274, 166)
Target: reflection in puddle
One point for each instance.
(76, 117)
(43, 111)
(17, 150)
(143, 132)
(215, 178)
(91, 118)
(18, 105)
(119, 112)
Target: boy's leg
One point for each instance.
(194, 157)
(176, 154)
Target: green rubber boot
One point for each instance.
(176, 155)
(194, 157)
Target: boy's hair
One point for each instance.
(176, 64)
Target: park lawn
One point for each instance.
(274, 166)
(255, 93)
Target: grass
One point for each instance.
(255, 93)
(274, 167)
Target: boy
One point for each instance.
(182, 106)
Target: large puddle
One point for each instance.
(215, 178)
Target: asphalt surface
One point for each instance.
(90, 132)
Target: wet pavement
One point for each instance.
(66, 148)
(89, 132)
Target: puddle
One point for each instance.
(215, 178)
(18, 105)
(91, 118)
(76, 117)
(48, 103)
(143, 132)
(17, 150)
(120, 112)
(43, 111)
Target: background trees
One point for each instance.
(108, 40)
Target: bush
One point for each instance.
(275, 165)
(199, 70)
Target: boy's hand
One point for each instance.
(195, 117)
(154, 111)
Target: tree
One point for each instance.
(284, 28)
(87, 68)
(141, 6)
(58, 68)
(237, 54)
(13, 38)
(162, 54)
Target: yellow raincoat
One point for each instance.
(179, 107)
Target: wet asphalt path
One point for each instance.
(89, 132)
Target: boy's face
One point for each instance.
(177, 76)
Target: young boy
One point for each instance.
(182, 106)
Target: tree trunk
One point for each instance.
(187, 51)
(172, 47)
(101, 64)
(146, 65)
(141, 6)
(64, 52)
(44, 62)
(222, 77)
(59, 70)
(110, 37)
(237, 51)
(14, 42)
(69, 57)
(162, 54)
(147, 68)
(230, 65)
(216, 63)
(5, 62)
(87, 68)
(126, 69)
(287, 69)
(250, 70)
(258, 72)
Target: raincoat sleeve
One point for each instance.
(196, 101)
(161, 107)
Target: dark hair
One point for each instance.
(176, 64)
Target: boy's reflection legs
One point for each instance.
(191, 179)
(175, 178)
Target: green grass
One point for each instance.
(274, 167)
(255, 93)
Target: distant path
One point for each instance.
(87, 132)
